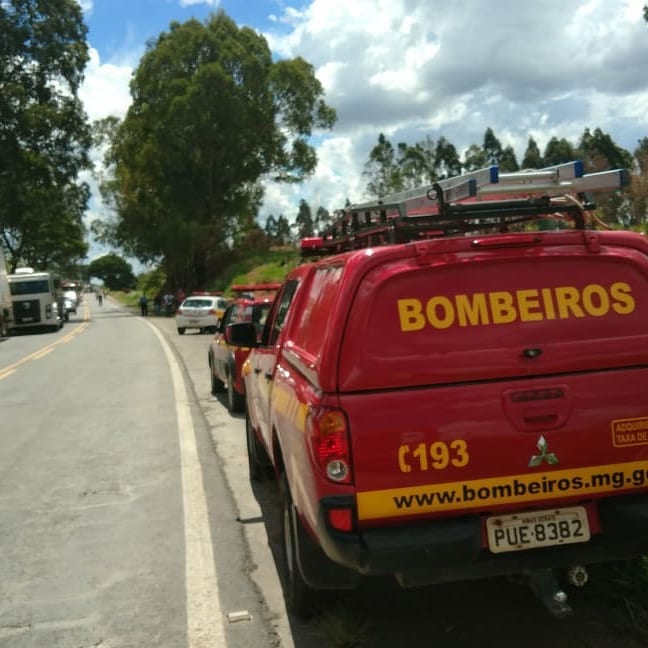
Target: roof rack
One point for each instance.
(483, 199)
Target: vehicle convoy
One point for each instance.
(225, 362)
(454, 388)
(37, 300)
(6, 309)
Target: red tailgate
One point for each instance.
(490, 379)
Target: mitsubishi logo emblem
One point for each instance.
(549, 457)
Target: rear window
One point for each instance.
(197, 303)
(319, 304)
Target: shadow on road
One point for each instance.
(469, 614)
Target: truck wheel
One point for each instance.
(217, 386)
(300, 598)
(258, 461)
(181, 331)
(235, 401)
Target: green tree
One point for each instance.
(212, 115)
(639, 187)
(381, 169)
(304, 220)
(641, 155)
(475, 158)
(115, 271)
(492, 147)
(322, 219)
(416, 163)
(44, 134)
(283, 233)
(495, 153)
(599, 152)
(507, 161)
(446, 160)
(532, 157)
(270, 228)
(558, 151)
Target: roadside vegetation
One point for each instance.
(268, 267)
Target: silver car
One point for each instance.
(202, 313)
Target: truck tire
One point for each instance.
(235, 401)
(181, 331)
(217, 386)
(4, 326)
(300, 598)
(258, 462)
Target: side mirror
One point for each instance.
(241, 335)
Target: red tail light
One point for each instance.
(329, 439)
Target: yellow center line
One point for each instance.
(43, 353)
(40, 353)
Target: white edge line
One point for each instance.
(204, 615)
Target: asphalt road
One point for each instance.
(117, 527)
(127, 518)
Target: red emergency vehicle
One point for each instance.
(225, 362)
(456, 387)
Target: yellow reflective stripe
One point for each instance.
(497, 491)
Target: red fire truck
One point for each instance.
(456, 387)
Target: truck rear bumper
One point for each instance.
(451, 550)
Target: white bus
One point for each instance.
(37, 299)
(6, 310)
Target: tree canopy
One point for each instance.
(212, 115)
(113, 270)
(389, 169)
(44, 133)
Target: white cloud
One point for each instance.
(411, 69)
(105, 89)
(209, 3)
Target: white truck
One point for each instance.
(6, 310)
(37, 299)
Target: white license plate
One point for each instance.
(194, 321)
(533, 529)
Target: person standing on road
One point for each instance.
(143, 300)
(168, 304)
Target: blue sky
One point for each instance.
(119, 26)
(413, 69)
